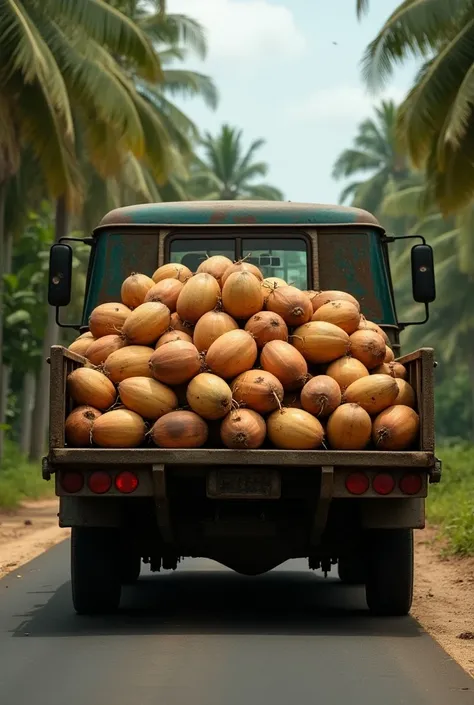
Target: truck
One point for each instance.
(249, 510)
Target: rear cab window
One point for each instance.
(282, 257)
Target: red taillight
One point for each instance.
(99, 482)
(357, 483)
(126, 482)
(72, 481)
(383, 483)
(411, 483)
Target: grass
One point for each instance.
(20, 479)
(450, 504)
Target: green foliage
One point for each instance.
(451, 503)
(20, 479)
(228, 172)
(436, 118)
(374, 160)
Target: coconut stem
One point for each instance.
(277, 400)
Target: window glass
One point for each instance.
(280, 257)
(192, 252)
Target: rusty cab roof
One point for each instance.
(237, 213)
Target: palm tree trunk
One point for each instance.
(51, 337)
(3, 194)
(27, 405)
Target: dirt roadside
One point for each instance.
(27, 532)
(444, 587)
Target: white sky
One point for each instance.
(289, 71)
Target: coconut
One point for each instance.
(108, 319)
(406, 394)
(241, 267)
(349, 428)
(258, 390)
(286, 363)
(373, 393)
(175, 362)
(172, 335)
(78, 426)
(210, 327)
(200, 294)
(242, 295)
(320, 342)
(232, 353)
(368, 347)
(131, 361)
(99, 351)
(91, 388)
(341, 313)
(266, 326)
(172, 270)
(165, 292)
(215, 266)
(294, 429)
(291, 304)
(209, 396)
(134, 289)
(394, 369)
(396, 428)
(180, 429)
(146, 323)
(120, 428)
(321, 396)
(346, 370)
(81, 345)
(243, 428)
(147, 397)
(320, 298)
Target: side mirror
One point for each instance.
(60, 275)
(422, 273)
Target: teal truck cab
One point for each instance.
(353, 509)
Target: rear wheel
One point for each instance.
(95, 576)
(389, 584)
(351, 570)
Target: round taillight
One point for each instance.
(72, 482)
(383, 483)
(99, 482)
(126, 482)
(411, 483)
(357, 483)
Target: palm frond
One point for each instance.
(415, 27)
(185, 84)
(111, 28)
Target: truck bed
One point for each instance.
(420, 365)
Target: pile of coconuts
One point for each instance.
(227, 358)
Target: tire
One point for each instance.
(389, 585)
(129, 568)
(95, 578)
(351, 570)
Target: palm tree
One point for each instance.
(54, 56)
(374, 153)
(227, 172)
(436, 119)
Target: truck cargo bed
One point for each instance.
(419, 364)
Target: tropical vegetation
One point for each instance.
(90, 118)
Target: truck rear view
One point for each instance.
(231, 396)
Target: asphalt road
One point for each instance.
(205, 636)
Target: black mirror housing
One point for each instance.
(60, 275)
(422, 273)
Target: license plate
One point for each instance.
(244, 484)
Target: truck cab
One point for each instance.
(250, 510)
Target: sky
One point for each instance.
(289, 71)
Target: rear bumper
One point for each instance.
(83, 457)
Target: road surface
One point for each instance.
(206, 636)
